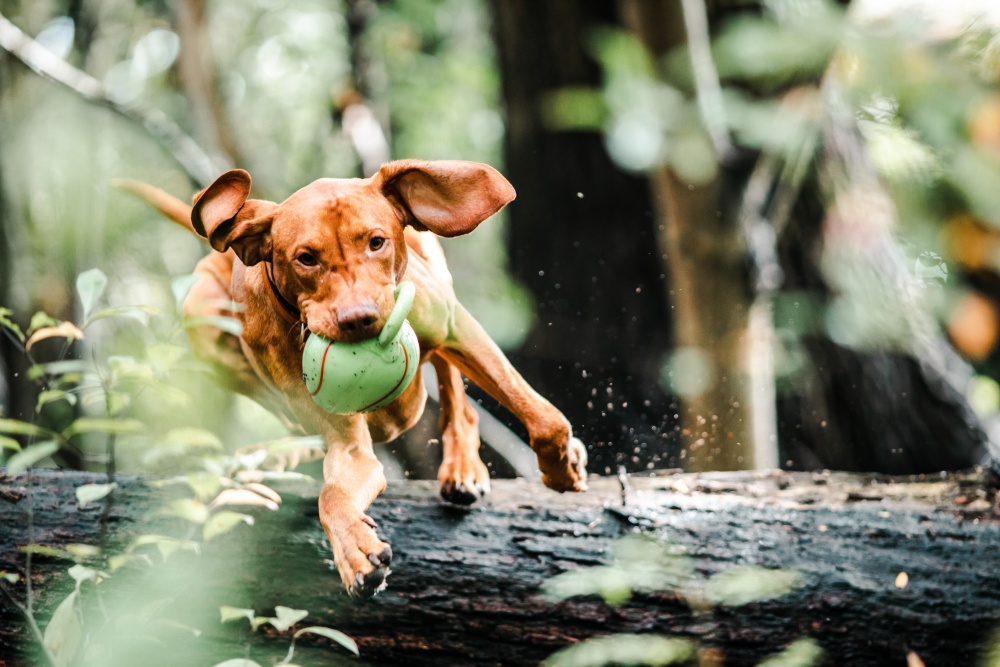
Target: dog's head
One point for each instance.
(336, 247)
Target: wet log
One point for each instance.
(465, 587)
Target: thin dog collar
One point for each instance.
(288, 312)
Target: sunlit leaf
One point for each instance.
(204, 484)
(41, 319)
(91, 493)
(10, 324)
(18, 427)
(10, 577)
(243, 497)
(44, 550)
(63, 634)
(9, 443)
(193, 437)
(624, 650)
(181, 286)
(742, 585)
(177, 625)
(188, 509)
(109, 426)
(51, 395)
(329, 633)
(138, 313)
(800, 653)
(82, 573)
(83, 551)
(90, 286)
(31, 455)
(237, 662)
(228, 324)
(66, 330)
(222, 522)
(165, 545)
(286, 617)
(235, 613)
(59, 368)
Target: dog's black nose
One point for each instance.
(358, 320)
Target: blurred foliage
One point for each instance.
(643, 565)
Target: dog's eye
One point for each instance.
(307, 259)
(376, 243)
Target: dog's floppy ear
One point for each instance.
(223, 215)
(447, 197)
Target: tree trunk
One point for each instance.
(583, 242)
(465, 586)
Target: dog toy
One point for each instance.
(345, 378)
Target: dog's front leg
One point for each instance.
(352, 479)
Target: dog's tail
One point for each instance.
(167, 204)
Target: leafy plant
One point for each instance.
(640, 564)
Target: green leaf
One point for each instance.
(83, 551)
(227, 324)
(10, 324)
(804, 652)
(286, 617)
(222, 522)
(9, 443)
(204, 484)
(237, 662)
(18, 427)
(181, 285)
(60, 368)
(139, 313)
(90, 286)
(110, 426)
(624, 649)
(82, 573)
(91, 493)
(10, 577)
(30, 456)
(329, 633)
(43, 550)
(51, 395)
(193, 437)
(188, 509)
(41, 319)
(235, 613)
(63, 634)
(574, 108)
(165, 545)
(745, 584)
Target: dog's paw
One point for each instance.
(569, 471)
(362, 559)
(463, 483)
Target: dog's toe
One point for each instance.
(460, 494)
(368, 585)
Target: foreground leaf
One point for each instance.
(623, 650)
(235, 613)
(109, 426)
(800, 653)
(237, 662)
(286, 617)
(63, 633)
(222, 522)
(742, 585)
(91, 493)
(30, 456)
(90, 286)
(66, 330)
(330, 633)
(10, 324)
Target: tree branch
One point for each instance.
(200, 168)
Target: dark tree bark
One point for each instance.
(465, 586)
(583, 241)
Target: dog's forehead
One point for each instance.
(338, 197)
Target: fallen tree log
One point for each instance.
(465, 586)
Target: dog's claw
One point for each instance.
(369, 522)
(368, 585)
(460, 494)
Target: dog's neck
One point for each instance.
(289, 312)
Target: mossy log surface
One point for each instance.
(465, 583)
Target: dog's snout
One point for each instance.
(357, 321)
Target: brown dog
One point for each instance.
(329, 258)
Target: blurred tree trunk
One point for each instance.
(582, 240)
(198, 79)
